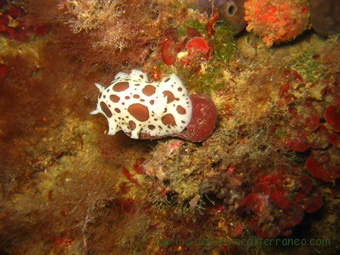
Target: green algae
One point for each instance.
(309, 66)
(224, 43)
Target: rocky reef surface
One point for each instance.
(257, 172)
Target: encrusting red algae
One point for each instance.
(211, 135)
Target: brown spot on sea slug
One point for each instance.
(139, 112)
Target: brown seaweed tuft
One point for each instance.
(102, 32)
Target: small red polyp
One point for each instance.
(168, 52)
(332, 117)
(198, 45)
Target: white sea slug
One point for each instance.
(133, 104)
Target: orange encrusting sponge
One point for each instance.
(277, 20)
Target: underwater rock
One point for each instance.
(276, 21)
(324, 16)
(149, 110)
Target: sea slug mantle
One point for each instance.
(148, 110)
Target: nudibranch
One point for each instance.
(147, 110)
